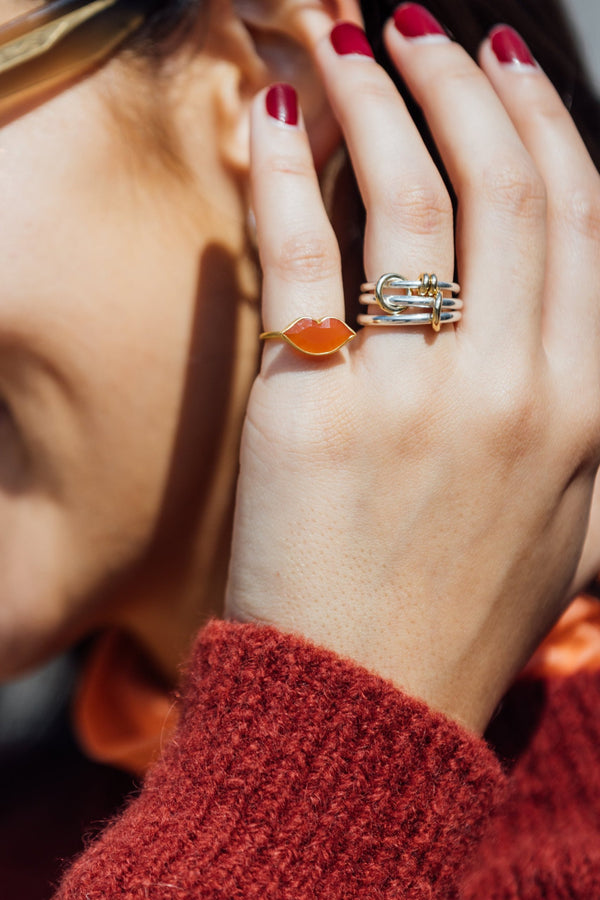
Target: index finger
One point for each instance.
(298, 249)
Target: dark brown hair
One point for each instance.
(167, 25)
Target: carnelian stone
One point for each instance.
(318, 336)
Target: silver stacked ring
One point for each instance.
(397, 296)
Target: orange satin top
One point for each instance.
(572, 645)
(123, 711)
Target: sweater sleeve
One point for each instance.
(295, 774)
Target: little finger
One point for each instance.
(571, 318)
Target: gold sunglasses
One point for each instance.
(58, 41)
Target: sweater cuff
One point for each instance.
(296, 774)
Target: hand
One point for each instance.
(418, 503)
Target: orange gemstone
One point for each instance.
(318, 337)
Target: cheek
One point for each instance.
(101, 296)
(85, 518)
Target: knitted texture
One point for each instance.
(544, 841)
(295, 774)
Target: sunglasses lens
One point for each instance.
(51, 50)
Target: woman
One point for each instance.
(414, 505)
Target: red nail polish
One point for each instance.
(414, 21)
(509, 47)
(349, 38)
(282, 103)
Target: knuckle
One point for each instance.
(374, 87)
(588, 448)
(516, 412)
(593, 423)
(548, 111)
(579, 211)
(582, 434)
(460, 76)
(422, 209)
(517, 189)
(287, 164)
(306, 258)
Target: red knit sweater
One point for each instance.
(295, 774)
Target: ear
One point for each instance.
(259, 42)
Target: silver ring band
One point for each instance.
(445, 317)
(424, 293)
(400, 282)
(403, 301)
(426, 286)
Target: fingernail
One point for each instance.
(282, 104)
(510, 48)
(348, 38)
(414, 21)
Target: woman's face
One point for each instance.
(113, 389)
(127, 344)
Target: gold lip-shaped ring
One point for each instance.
(314, 337)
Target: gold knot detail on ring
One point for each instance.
(429, 285)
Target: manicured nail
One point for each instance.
(348, 38)
(414, 21)
(282, 104)
(510, 48)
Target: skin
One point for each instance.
(125, 374)
(105, 371)
(430, 500)
(125, 233)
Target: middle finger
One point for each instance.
(409, 214)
